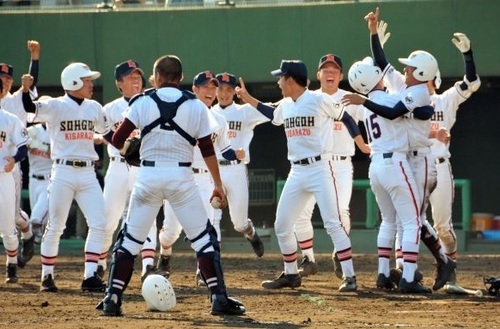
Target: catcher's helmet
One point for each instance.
(364, 75)
(71, 76)
(425, 65)
(158, 293)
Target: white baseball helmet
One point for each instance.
(158, 293)
(364, 75)
(71, 76)
(424, 63)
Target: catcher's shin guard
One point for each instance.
(210, 262)
(122, 264)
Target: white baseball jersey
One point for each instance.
(72, 126)
(385, 135)
(192, 116)
(241, 119)
(13, 103)
(343, 143)
(39, 150)
(13, 135)
(114, 112)
(220, 138)
(412, 97)
(445, 115)
(310, 118)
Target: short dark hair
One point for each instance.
(169, 67)
(1, 86)
(299, 79)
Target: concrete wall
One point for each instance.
(249, 41)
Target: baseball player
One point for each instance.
(72, 120)
(40, 166)
(13, 139)
(445, 111)
(391, 178)
(120, 177)
(204, 87)
(13, 103)
(329, 75)
(242, 120)
(421, 67)
(307, 118)
(166, 173)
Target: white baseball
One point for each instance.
(216, 202)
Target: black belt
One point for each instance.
(75, 163)
(40, 177)
(199, 171)
(440, 160)
(307, 161)
(387, 155)
(229, 162)
(119, 159)
(339, 157)
(147, 163)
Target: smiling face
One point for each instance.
(329, 76)
(225, 94)
(130, 84)
(206, 93)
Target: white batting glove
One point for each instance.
(382, 36)
(461, 41)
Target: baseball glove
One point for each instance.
(131, 152)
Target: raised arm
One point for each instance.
(471, 79)
(34, 49)
(375, 42)
(242, 93)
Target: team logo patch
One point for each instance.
(24, 132)
(408, 100)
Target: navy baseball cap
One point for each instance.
(6, 69)
(205, 77)
(127, 67)
(330, 58)
(228, 79)
(291, 67)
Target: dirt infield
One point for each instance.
(317, 304)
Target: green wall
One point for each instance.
(249, 41)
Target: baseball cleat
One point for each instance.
(307, 267)
(93, 284)
(384, 282)
(48, 284)
(111, 305)
(223, 305)
(257, 244)
(414, 287)
(151, 269)
(444, 274)
(283, 281)
(348, 285)
(28, 249)
(337, 268)
(396, 274)
(164, 265)
(100, 271)
(11, 273)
